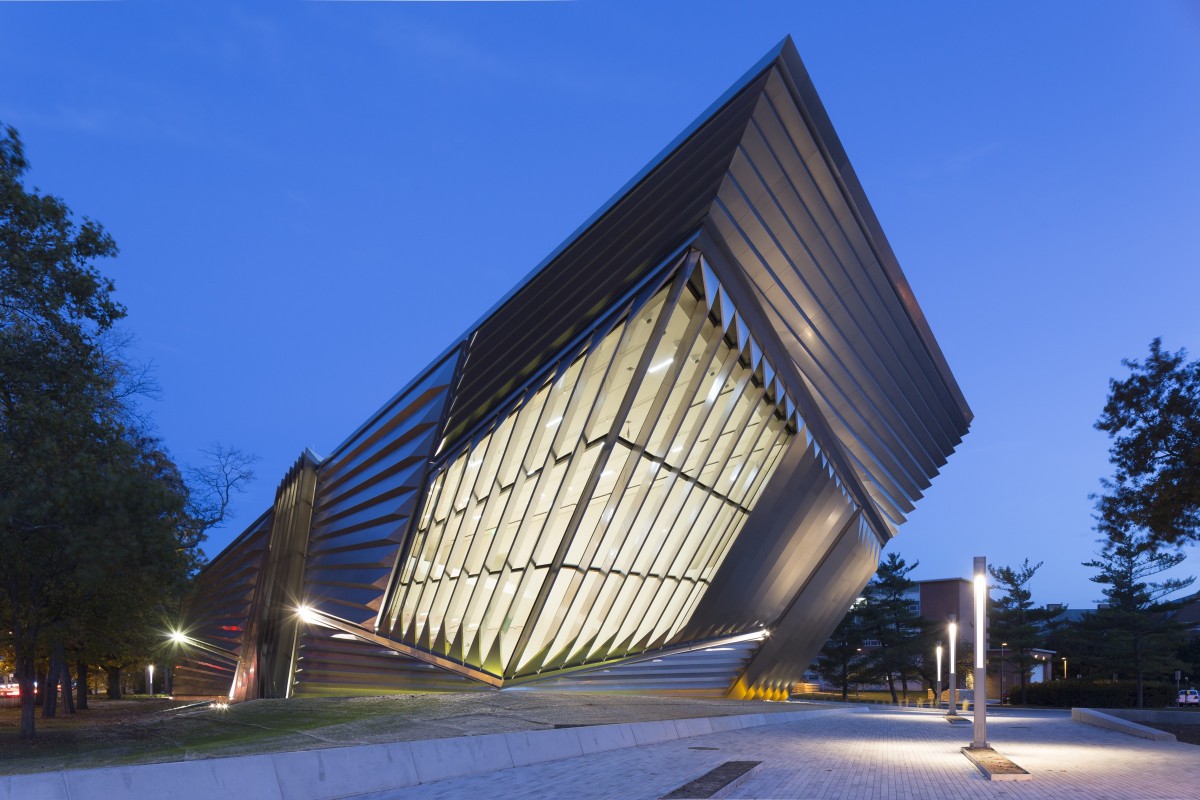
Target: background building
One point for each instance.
(666, 461)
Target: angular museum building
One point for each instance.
(665, 462)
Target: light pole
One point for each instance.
(981, 596)
(938, 695)
(953, 679)
(1064, 668)
(1002, 646)
(150, 682)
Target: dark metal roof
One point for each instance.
(599, 264)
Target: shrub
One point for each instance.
(1100, 694)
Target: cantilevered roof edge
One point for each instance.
(809, 102)
(740, 85)
(677, 143)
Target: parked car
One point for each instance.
(1189, 697)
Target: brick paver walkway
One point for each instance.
(863, 755)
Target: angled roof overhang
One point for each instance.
(763, 174)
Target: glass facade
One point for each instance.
(587, 518)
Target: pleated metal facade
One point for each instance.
(667, 461)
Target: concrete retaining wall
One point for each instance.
(1177, 716)
(1106, 719)
(342, 771)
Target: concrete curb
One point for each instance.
(342, 771)
(1090, 716)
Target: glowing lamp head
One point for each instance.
(306, 614)
(178, 637)
(981, 592)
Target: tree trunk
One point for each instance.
(65, 671)
(114, 683)
(892, 688)
(50, 687)
(25, 677)
(48, 696)
(81, 684)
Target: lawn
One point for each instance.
(143, 730)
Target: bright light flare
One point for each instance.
(178, 637)
(307, 614)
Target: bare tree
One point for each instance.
(227, 471)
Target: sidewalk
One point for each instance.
(873, 753)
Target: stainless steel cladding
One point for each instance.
(666, 461)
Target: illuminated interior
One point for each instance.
(607, 494)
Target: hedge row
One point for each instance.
(1105, 694)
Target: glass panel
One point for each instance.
(488, 524)
(637, 333)
(549, 621)
(718, 400)
(661, 367)
(680, 513)
(506, 534)
(500, 589)
(744, 449)
(458, 602)
(712, 537)
(578, 470)
(694, 446)
(564, 401)
(595, 616)
(685, 388)
(535, 516)
(497, 447)
(606, 638)
(736, 521)
(653, 621)
(453, 474)
(636, 615)
(600, 509)
(722, 455)
(523, 432)
(769, 465)
(694, 536)
(679, 609)
(653, 525)
(518, 614)
(626, 512)
(574, 615)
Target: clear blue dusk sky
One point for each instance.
(313, 198)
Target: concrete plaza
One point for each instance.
(872, 752)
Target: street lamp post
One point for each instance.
(981, 596)
(1002, 646)
(953, 679)
(150, 682)
(938, 681)
(1064, 668)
